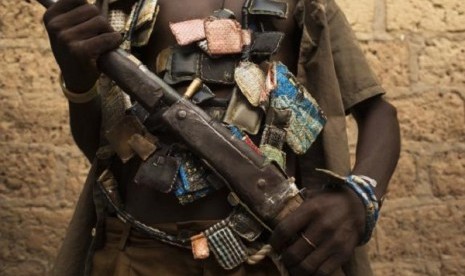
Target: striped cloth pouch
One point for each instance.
(307, 119)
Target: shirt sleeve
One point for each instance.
(356, 79)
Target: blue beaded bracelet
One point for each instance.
(364, 186)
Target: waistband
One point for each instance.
(223, 238)
(205, 237)
(181, 230)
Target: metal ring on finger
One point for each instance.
(308, 241)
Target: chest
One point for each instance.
(172, 11)
(179, 10)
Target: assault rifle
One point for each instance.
(261, 187)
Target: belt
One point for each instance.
(223, 239)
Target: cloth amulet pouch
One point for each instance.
(307, 119)
(119, 135)
(187, 32)
(224, 36)
(192, 180)
(158, 172)
(251, 80)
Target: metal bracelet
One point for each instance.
(79, 98)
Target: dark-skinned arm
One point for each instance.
(378, 144)
(334, 219)
(85, 126)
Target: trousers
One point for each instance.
(127, 252)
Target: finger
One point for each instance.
(92, 48)
(293, 224)
(60, 7)
(72, 18)
(307, 242)
(296, 253)
(89, 29)
(330, 265)
(312, 262)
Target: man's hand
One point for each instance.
(78, 36)
(333, 220)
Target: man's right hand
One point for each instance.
(79, 34)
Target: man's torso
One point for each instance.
(149, 205)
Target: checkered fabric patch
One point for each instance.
(227, 248)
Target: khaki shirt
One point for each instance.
(332, 67)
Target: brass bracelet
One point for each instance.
(79, 98)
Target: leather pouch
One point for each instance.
(277, 122)
(244, 225)
(215, 112)
(120, 133)
(279, 118)
(163, 61)
(224, 36)
(224, 14)
(158, 172)
(145, 23)
(184, 66)
(187, 32)
(218, 70)
(268, 7)
(266, 43)
(143, 146)
(204, 94)
(251, 81)
(137, 110)
(242, 114)
(148, 13)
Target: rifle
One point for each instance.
(261, 187)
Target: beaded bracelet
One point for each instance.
(79, 97)
(364, 186)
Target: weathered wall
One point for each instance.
(417, 48)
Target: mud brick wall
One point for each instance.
(416, 47)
